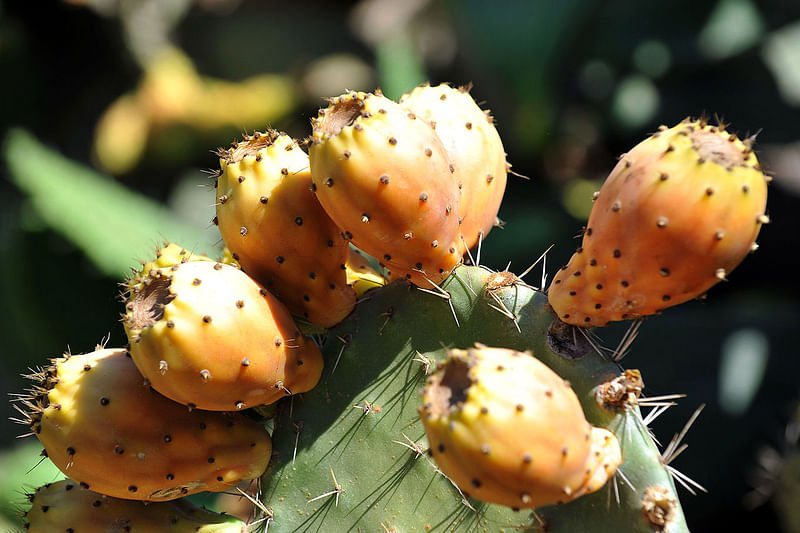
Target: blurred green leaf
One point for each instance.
(399, 66)
(23, 470)
(112, 225)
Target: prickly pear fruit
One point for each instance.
(208, 336)
(507, 429)
(66, 506)
(274, 226)
(674, 217)
(104, 427)
(385, 178)
(361, 275)
(474, 147)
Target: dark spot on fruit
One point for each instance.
(392, 141)
(211, 460)
(664, 272)
(598, 306)
(170, 477)
(207, 319)
(384, 179)
(203, 425)
(476, 483)
(423, 197)
(167, 438)
(387, 257)
(624, 283)
(118, 449)
(306, 298)
(104, 401)
(70, 450)
(329, 182)
(263, 199)
(196, 282)
(666, 297)
(132, 488)
(617, 254)
(428, 152)
(219, 478)
(279, 259)
(572, 293)
(440, 448)
(96, 503)
(588, 232)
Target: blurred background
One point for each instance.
(110, 109)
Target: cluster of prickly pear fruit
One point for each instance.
(441, 410)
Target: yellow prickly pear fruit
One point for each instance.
(386, 180)
(474, 147)
(65, 506)
(508, 430)
(360, 273)
(675, 216)
(276, 229)
(104, 427)
(207, 335)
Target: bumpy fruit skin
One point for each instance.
(273, 224)
(386, 180)
(674, 217)
(104, 427)
(208, 336)
(474, 147)
(66, 506)
(506, 429)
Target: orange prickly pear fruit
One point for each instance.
(508, 430)
(674, 217)
(208, 336)
(65, 506)
(474, 147)
(276, 229)
(104, 427)
(386, 180)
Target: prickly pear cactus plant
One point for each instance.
(454, 398)
(354, 454)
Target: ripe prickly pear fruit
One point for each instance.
(507, 429)
(386, 180)
(474, 147)
(66, 506)
(104, 427)
(208, 336)
(674, 217)
(361, 275)
(274, 226)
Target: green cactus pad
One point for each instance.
(360, 424)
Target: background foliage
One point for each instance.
(110, 108)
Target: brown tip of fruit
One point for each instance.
(711, 146)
